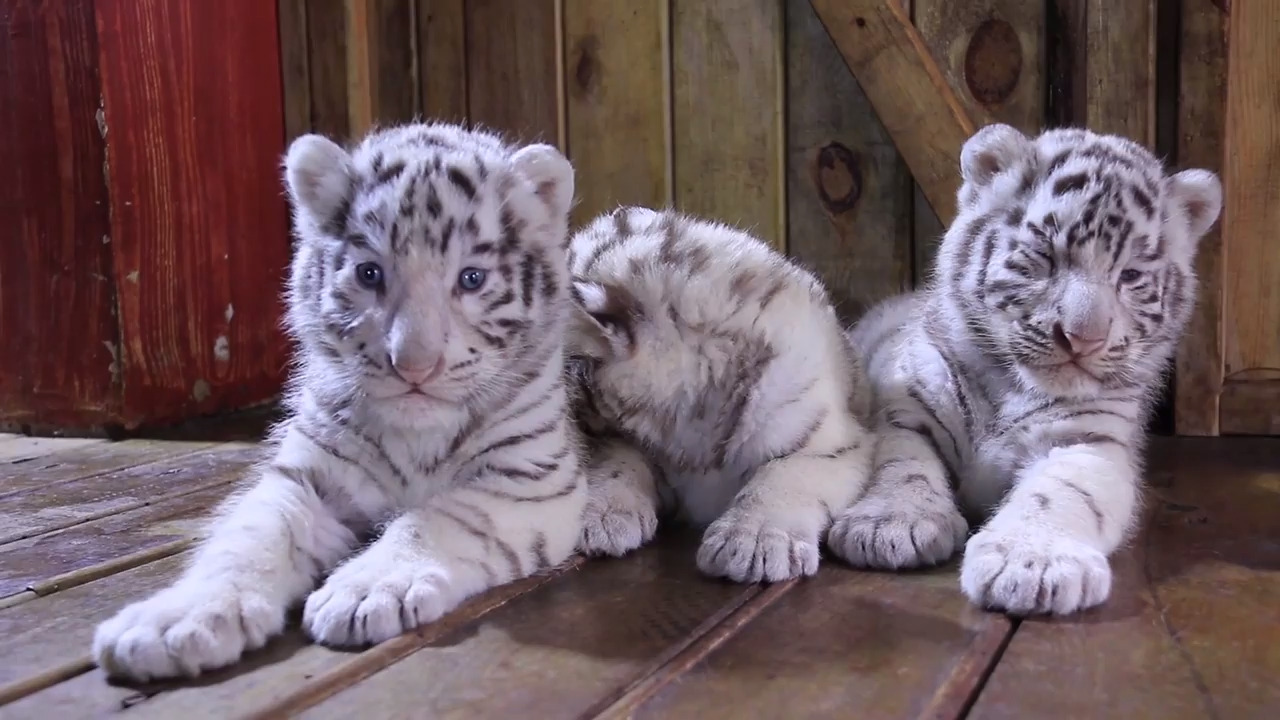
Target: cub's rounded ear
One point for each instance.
(992, 150)
(1198, 193)
(604, 319)
(318, 174)
(550, 174)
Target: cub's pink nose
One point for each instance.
(1078, 345)
(418, 374)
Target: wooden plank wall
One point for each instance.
(139, 144)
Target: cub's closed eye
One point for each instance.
(1130, 276)
(369, 275)
(472, 279)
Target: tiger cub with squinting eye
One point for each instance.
(721, 388)
(1017, 384)
(429, 300)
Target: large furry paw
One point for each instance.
(744, 549)
(617, 521)
(1029, 573)
(368, 600)
(872, 534)
(185, 630)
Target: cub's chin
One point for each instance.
(1062, 380)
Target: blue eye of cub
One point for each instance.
(369, 275)
(471, 279)
(1130, 276)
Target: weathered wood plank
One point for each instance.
(295, 71)
(38, 473)
(848, 190)
(50, 508)
(1250, 407)
(20, 448)
(442, 59)
(59, 365)
(1201, 104)
(1121, 50)
(68, 557)
(327, 66)
(887, 645)
(912, 98)
(393, 65)
(199, 256)
(1251, 219)
(728, 132)
(513, 68)
(49, 637)
(606, 626)
(618, 104)
(1191, 628)
(992, 53)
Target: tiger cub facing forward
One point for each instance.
(1020, 380)
(429, 298)
(710, 354)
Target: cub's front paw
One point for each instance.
(366, 601)
(743, 549)
(617, 522)
(185, 630)
(871, 534)
(1027, 573)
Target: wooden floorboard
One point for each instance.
(1193, 626)
(21, 448)
(1190, 631)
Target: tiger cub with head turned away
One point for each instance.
(702, 349)
(429, 299)
(1019, 382)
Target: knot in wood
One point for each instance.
(993, 62)
(838, 177)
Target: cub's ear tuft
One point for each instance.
(549, 173)
(319, 175)
(1198, 194)
(992, 150)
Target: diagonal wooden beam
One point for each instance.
(886, 54)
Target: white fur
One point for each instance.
(716, 317)
(1063, 243)
(472, 483)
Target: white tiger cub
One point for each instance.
(726, 364)
(1020, 379)
(429, 298)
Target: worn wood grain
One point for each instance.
(848, 190)
(1121, 69)
(616, 59)
(61, 505)
(1251, 220)
(1201, 104)
(1250, 407)
(992, 53)
(728, 131)
(327, 68)
(23, 448)
(199, 254)
(64, 558)
(605, 626)
(295, 71)
(513, 77)
(442, 59)
(60, 365)
(912, 98)
(50, 637)
(1190, 629)
(883, 644)
(23, 475)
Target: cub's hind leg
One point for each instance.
(908, 517)
(622, 500)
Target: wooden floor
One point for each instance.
(1192, 630)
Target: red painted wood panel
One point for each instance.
(58, 332)
(199, 222)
